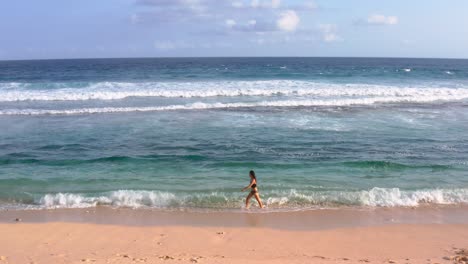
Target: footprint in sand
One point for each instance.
(122, 255)
(166, 257)
(461, 256)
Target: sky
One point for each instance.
(51, 29)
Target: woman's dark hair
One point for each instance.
(252, 173)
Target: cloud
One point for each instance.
(251, 25)
(288, 21)
(224, 18)
(178, 11)
(329, 32)
(377, 19)
(261, 3)
(206, 13)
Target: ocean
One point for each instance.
(183, 133)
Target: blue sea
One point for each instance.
(183, 133)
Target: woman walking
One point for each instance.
(253, 192)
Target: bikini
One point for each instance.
(253, 188)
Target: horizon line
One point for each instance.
(233, 57)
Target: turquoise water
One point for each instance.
(183, 133)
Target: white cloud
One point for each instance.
(377, 19)
(260, 4)
(243, 26)
(230, 23)
(329, 32)
(195, 5)
(288, 21)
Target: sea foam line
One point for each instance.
(375, 197)
(11, 92)
(205, 106)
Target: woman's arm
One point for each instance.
(250, 185)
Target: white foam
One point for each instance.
(67, 200)
(11, 92)
(204, 106)
(375, 197)
(121, 198)
(395, 197)
(129, 198)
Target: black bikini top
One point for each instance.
(254, 185)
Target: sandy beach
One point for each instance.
(88, 236)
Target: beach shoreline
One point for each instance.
(331, 218)
(82, 241)
(106, 235)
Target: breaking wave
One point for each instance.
(292, 199)
(204, 106)
(11, 92)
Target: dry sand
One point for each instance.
(84, 242)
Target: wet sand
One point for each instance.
(291, 220)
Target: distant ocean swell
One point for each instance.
(291, 199)
(151, 159)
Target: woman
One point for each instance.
(253, 192)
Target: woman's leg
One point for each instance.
(247, 200)
(257, 197)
